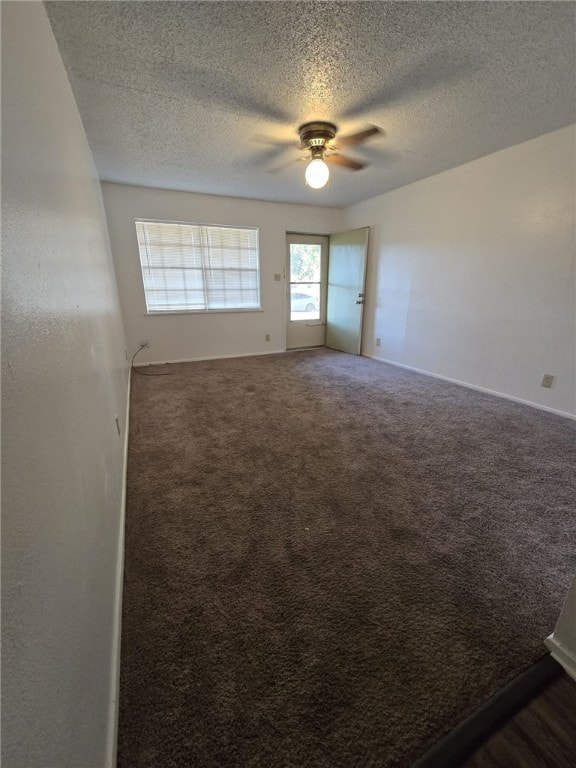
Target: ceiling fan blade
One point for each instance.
(431, 74)
(345, 162)
(360, 137)
(284, 166)
(259, 138)
(209, 87)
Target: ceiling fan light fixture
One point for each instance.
(317, 173)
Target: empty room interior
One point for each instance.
(288, 384)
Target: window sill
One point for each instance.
(200, 312)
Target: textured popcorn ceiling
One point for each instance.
(174, 94)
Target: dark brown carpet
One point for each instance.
(330, 561)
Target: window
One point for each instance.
(197, 268)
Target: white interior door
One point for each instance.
(306, 269)
(346, 280)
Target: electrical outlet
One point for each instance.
(267, 337)
(277, 277)
(547, 380)
(377, 342)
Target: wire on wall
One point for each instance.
(141, 373)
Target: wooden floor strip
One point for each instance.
(450, 751)
(541, 735)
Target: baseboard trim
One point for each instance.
(211, 357)
(111, 750)
(456, 746)
(562, 655)
(565, 414)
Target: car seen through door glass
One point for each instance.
(305, 281)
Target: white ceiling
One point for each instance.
(174, 94)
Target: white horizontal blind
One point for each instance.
(195, 268)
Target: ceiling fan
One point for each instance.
(318, 140)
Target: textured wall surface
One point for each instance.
(64, 379)
(565, 631)
(471, 272)
(562, 644)
(218, 334)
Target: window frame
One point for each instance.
(205, 311)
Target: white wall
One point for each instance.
(191, 336)
(64, 380)
(471, 272)
(562, 643)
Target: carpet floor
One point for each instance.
(330, 561)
